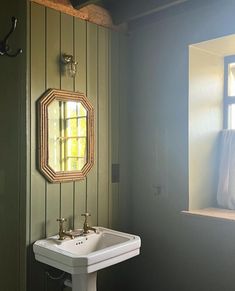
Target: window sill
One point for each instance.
(217, 213)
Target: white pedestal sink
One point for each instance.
(83, 256)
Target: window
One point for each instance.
(212, 109)
(229, 92)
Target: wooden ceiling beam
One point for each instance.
(92, 13)
(128, 10)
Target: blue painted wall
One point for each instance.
(179, 253)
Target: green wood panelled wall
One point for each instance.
(13, 151)
(97, 51)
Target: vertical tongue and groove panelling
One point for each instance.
(53, 33)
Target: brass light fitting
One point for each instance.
(70, 65)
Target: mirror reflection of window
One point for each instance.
(67, 137)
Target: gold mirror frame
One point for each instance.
(60, 95)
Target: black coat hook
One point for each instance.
(4, 47)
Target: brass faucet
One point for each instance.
(86, 226)
(62, 233)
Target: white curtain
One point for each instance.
(226, 186)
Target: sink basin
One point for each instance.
(87, 253)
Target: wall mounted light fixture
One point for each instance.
(70, 65)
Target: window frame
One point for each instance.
(228, 100)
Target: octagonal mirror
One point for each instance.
(66, 135)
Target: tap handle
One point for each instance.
(86, 214)
(61, 220)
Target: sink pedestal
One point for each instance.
(84, 282)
